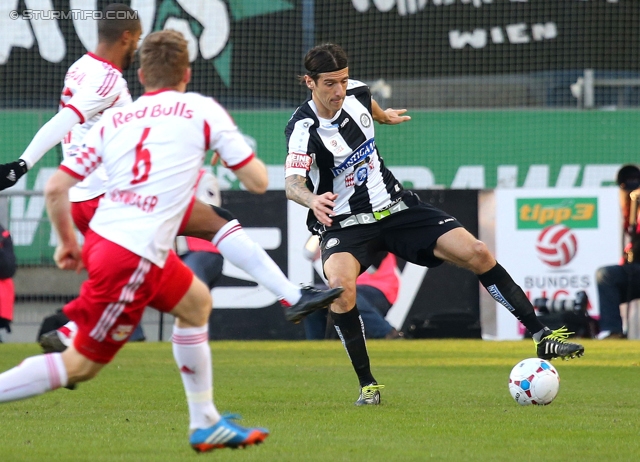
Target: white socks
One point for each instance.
(32, 377)
(193, 356)
(234, 245)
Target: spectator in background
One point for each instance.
(7, 270)
(376, 292)
(621, 283)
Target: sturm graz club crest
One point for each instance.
(365, 120)
(332, 243)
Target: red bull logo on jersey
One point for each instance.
(121, 332)
(178, 110)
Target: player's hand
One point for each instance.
(635, 194)
(322, 207)
(68, 257)
(394, 116)
(10, 173)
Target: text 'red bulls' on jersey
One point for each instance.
(152, 151)
(340, 155)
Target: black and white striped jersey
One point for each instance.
(340, 155)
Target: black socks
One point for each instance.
(509, 294)
(351, 331)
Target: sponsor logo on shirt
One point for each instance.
(361, 175)
(349, 180)
(359, 154)
(295, 160)
(337, 146)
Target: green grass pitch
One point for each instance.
(444, 400)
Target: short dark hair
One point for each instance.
(163, 58)
(328, 57)
(626, 173)
(113, 25)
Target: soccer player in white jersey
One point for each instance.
(93, 84)
(152, 151)
(357, 207)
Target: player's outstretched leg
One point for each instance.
(553, 344)
(236, 246)
(32, 377)
(226, 434)
(56, 341)
(549, 344)
(311, 300)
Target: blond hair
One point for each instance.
(163, 59)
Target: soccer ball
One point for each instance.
(534, 381)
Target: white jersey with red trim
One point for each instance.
(152, 151)
(91, 86)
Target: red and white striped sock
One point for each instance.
(32, 377)
(193, 356)
(236, 246)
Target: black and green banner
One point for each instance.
(248, 53)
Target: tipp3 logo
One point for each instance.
(557, 244)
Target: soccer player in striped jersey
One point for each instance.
(152, 151)
(357, 207)
(93, 84)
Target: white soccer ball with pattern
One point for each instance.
(534, 381)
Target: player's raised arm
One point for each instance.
(388, 116)
(47, 137)
(92, 84)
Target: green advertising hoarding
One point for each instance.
(444, 149)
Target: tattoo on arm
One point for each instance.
(297, 191)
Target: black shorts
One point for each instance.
(410, 234)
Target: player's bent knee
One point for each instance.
(480, 250)
(482, 260)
